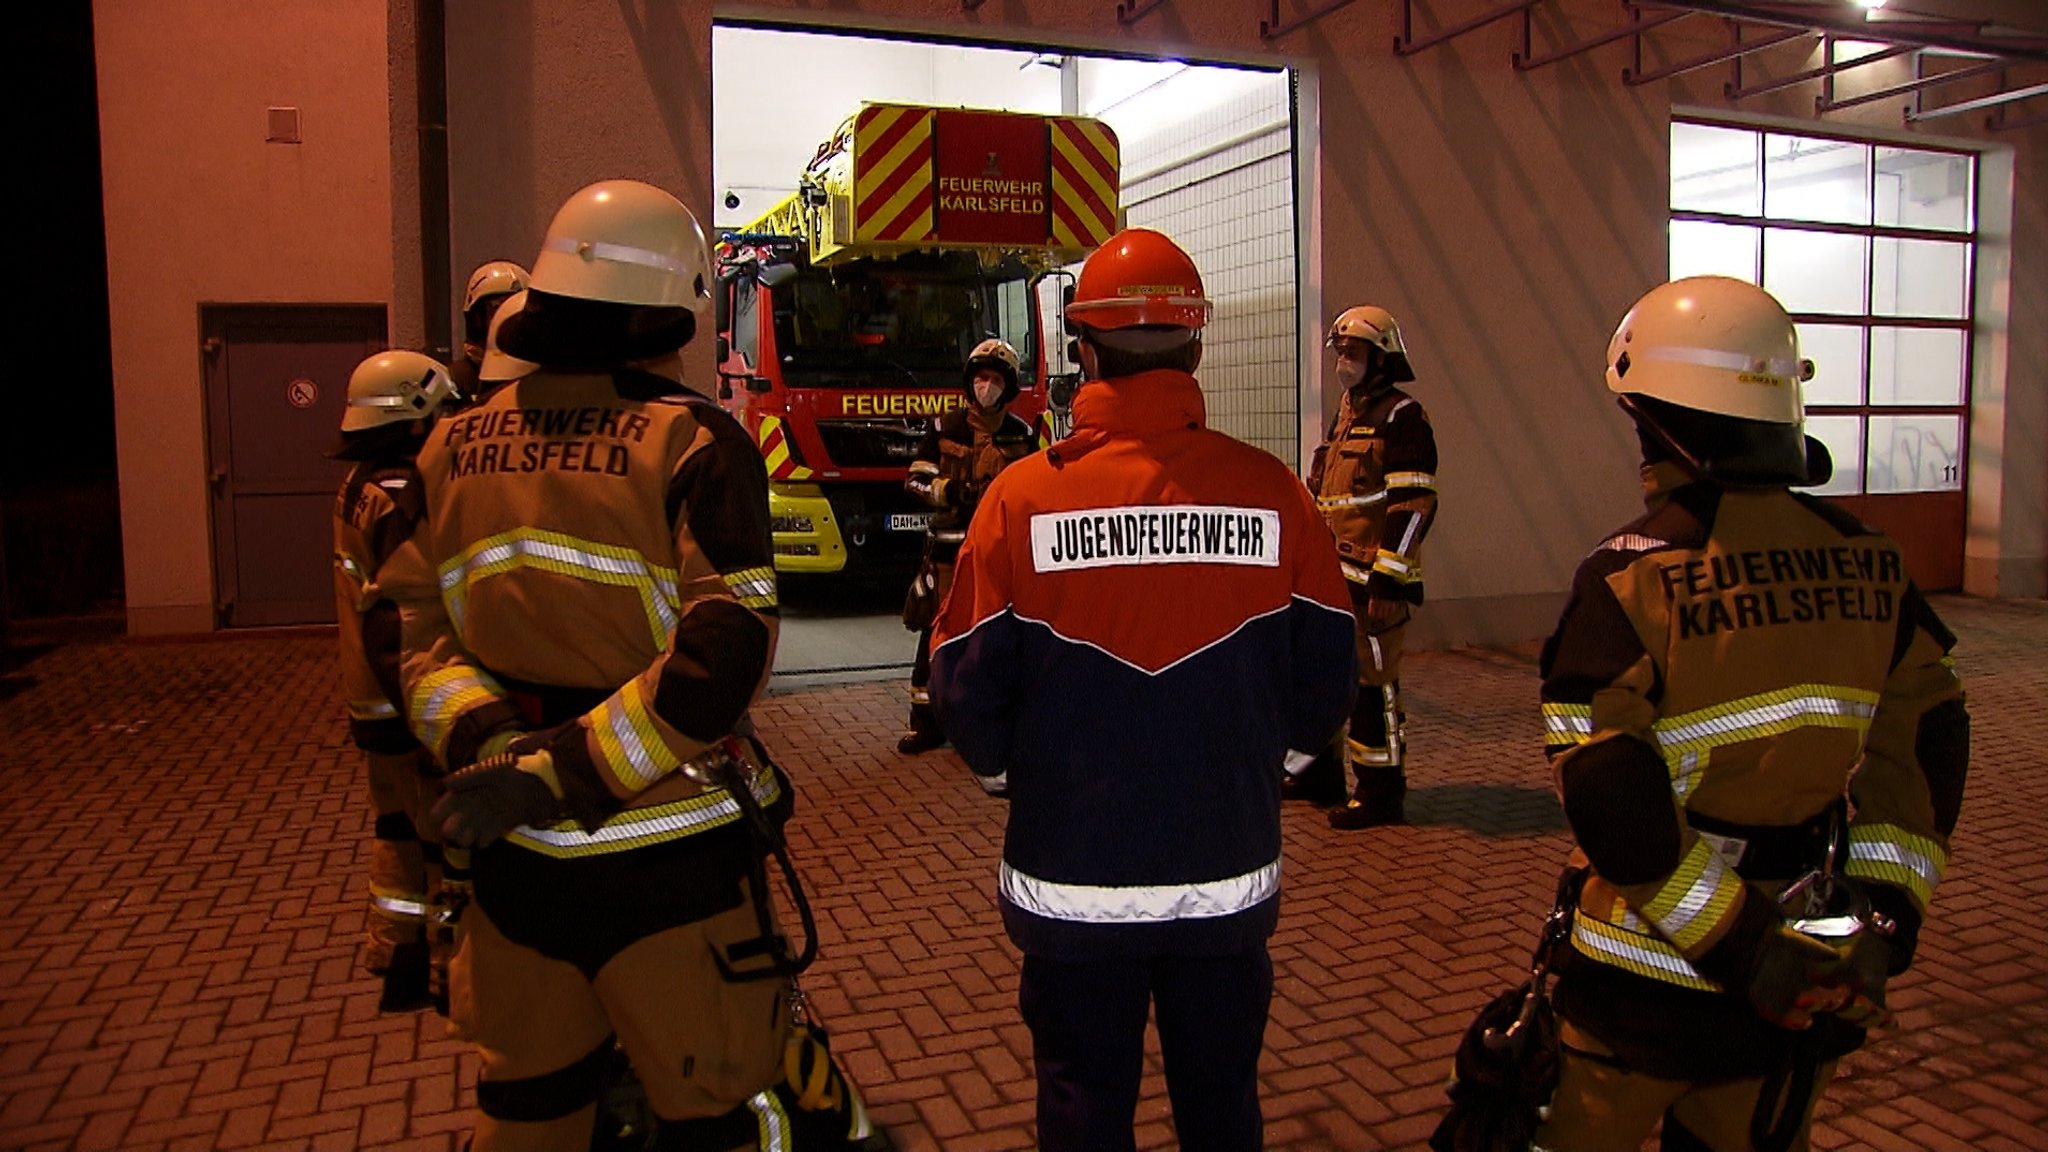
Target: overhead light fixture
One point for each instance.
(1870, 5)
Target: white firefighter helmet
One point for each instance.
(1377, 327)
(625, 242)
(498, 365)
(1712, 344)
(999, 356)
(1711, 366)
(395, 386)
(497, 278)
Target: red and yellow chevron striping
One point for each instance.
(775, 450)
(1084, 182)
(892, 148)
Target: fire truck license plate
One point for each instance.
(909, 521)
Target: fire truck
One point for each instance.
(846, 311)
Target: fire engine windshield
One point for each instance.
(904, 323)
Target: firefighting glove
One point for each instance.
(493, 796)
(1793, 976)
(1384, 613)
(1865, 971)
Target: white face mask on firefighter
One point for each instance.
(988, 392)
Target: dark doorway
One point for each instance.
(276, 384)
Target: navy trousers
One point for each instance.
(1087, 1024)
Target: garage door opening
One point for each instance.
(1203, 152)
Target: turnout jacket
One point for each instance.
(1144, 620)
(1730, 669)
(594, 562)
(956, 461)
(1375, 481)
(374, 514)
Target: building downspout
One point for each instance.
(430, 65)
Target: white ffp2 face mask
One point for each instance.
(988, 393)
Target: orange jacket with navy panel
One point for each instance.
(1144, 620)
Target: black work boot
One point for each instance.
(406, 982)
(1376, 801)
(1321, 783)
(925, 733)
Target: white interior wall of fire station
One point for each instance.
(1207, 157)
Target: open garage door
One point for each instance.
(1202, 152)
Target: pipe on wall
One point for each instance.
(430, 63)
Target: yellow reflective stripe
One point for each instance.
(1332, 503)
(1767, 714)
(639, 827)
(372, 709)
(397, 903)
(1402, 568)
(632, 746)
(441, 698)
(564, 555)
(773, 1122)
(1412, 480)
(1354, 573)
(753, 587)
(1695, 899)
(1362, 753)
(923, 468)
(1889, 854)
(347, 563)
(1636, 952)
(1567, 723)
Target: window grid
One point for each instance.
(1868, 320)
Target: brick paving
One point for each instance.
(180, 916)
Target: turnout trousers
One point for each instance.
(1087, 1022)
(701, 1046)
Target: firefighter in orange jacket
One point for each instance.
(1375, 480)
(957, 460)
(590, 610)
(392, 400)
(1760, 744)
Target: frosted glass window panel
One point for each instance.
(1844, 437)
(1837, 354)
(1702, 249)
(1915, 454)
(1929, 279)
(1715, 169)
(1917, 365)
(1816, 271)
(1917, 189)
(1811, 179)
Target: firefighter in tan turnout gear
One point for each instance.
(1375, 480)
(961, 454)
(589, 613)
(490, 286)
(1760, 744)
(392, 400)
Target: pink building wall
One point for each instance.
(200, 209)
(1507, 218)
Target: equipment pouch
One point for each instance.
(921, 604)
(1506, 1069)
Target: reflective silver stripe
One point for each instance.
(1139, 904)
(994, 785)
(920, 696)
(1408, 536)
(1631, 542)
(1568, 723)
(348, 564)
(1392, 565)
(1891, 852)
(1330, 502)
(923, 468)
(1684, 730)
(1588, 937)
(1379, 658)
(616, 253)
(624, 827)
(371, 709)
(950, 536)
(1295, 763)
(1355, 574)
(397, 907)
(774, 1123)
(1411, 480)
(1715, 358)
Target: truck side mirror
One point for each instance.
(724, 349)
(759, 384)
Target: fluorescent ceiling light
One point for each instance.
(1870, 5)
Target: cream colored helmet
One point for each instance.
(395, 386)
(1377, 327)
(497, 365)
(1712, 365)
(626, 242)
(497, 278)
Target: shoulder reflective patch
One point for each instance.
(1155, 534)
(1632, 542)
